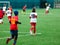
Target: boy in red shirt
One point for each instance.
(14, 28)
(1, 15)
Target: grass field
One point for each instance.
(48, 25)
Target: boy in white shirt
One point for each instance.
(47, 8)
(33, 21)
(9, 14)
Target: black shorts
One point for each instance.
(23, 10)
(14, 32)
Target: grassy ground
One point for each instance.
(48, 25)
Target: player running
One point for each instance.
(47, 8)
(14, 28)
(33, 20)
(9, 14)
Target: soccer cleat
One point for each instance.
(7, 41)
(31, 32)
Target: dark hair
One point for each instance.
(34, 10)
(16, 13)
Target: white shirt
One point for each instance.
(33, 18)
(47, 8)
(4, 8)
(8, 12)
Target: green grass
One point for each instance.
(48, 25)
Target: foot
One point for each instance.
(7, 41)
(31, 32)
(1, 23)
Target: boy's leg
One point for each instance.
(9, 39)
(24, 12)
(4, 12)
(47, 11)
(9, 17)
(12, 36)
(15, 40)
(34, 28)
(15, 37)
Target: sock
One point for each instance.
(30, 31)
(32, 28)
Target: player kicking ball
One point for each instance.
(33, 20)
(13, 28)
(47, 8)
(1, 15)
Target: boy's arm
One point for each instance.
(17, 22)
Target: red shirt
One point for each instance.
(13, 25)
(16, 17)
(1, 14)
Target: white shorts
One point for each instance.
(1, 20)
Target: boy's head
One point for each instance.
(16, 13)
(33, 10)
